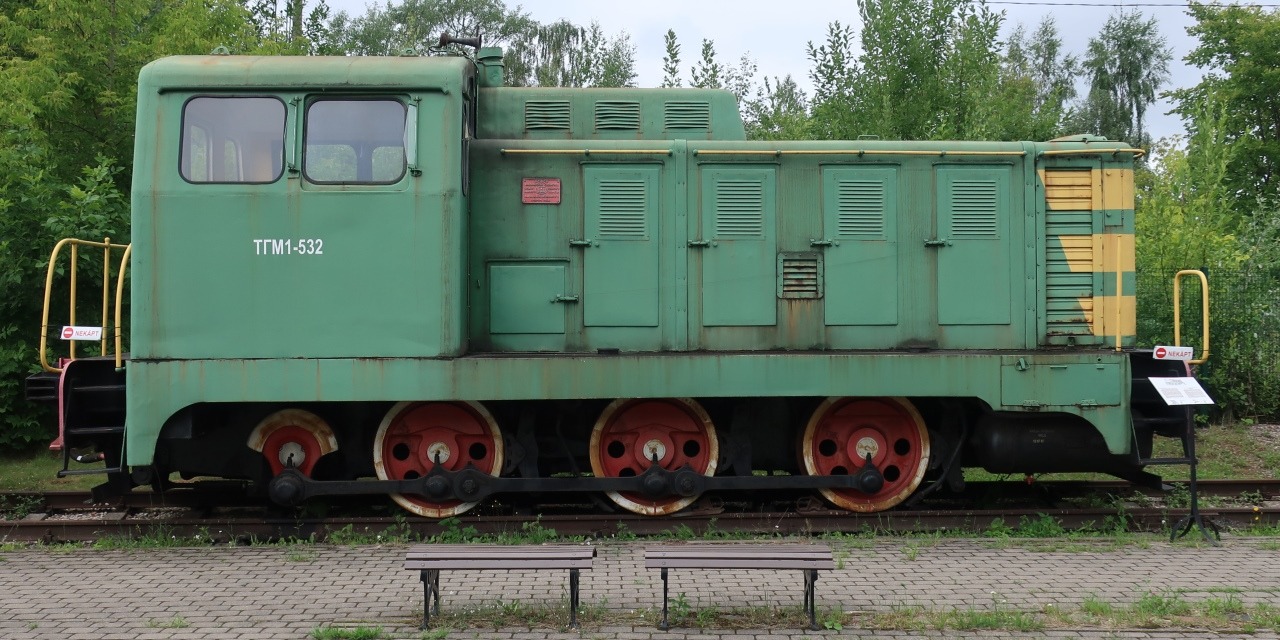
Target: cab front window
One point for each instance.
(355, 141)
(236, 139)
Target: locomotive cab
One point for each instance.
(299, 209)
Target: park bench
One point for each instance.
(430, 559)
(808, 558)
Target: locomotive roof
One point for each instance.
(304, 72)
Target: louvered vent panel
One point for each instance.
(799, 275)
(687, 115)
(622, 207)
(974, 209)
(1068, 190)
(1069, 292)
(861, 207)
(1067, 223)
(612, 114)
(739, 208)
(546, 114)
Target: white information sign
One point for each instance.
(1181, 391)
(1173, 353)
(82, 333)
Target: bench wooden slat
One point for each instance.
(516, 557)
(739, 549)
(722, 563)
(517, 550)
(482, 557)
(481, 564)
(738, 556)
(727, 553)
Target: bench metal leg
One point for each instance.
(810, 578)
(663, 625)
(573, 598)
(430, 588)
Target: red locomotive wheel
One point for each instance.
(293, 438)
(414, 435)
(844, 430)
(631, 432)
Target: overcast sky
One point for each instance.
(774, 34)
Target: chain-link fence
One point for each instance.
(1243, 371)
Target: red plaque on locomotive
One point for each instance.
(540, 191)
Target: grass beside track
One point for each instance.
(38, 471)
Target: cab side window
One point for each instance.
(355, 141)
(234, 139)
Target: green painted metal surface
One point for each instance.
(668, 239)
(620, 266)
(169, 386)
(739, 272)
(976, 254)
(860, 223)
(293, 268)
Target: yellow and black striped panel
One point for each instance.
(1089, 229)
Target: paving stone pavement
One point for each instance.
(276, 592)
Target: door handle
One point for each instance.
(565, 299)
(943, 242)
(584, 243)
(823, 242)
(700, 244)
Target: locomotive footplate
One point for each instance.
(291, 487)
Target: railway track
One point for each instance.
(226, 514)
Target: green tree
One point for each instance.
(1036, 83)
(571, 56)
(292, 28)
(712, 73)
(671, 60)
(778, 111)
(67, 94)
(834, 74)
(928, 69)
(1127, 64)
(559, 53)
(1240, 54)
(709, 72)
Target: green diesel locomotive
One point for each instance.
(398, 276)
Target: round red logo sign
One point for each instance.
(67, 332)
(1160, 352)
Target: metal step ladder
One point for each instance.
(93, 421)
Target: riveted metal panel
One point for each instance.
(522, 297)
(1062, 384)
(974, 261)
(860, 216)
(621, 269)
(738, 270)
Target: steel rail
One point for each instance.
(225, 513)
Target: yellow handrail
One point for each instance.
(1137, 153)
(107, 247)
(1204, 310)
(850, 152)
